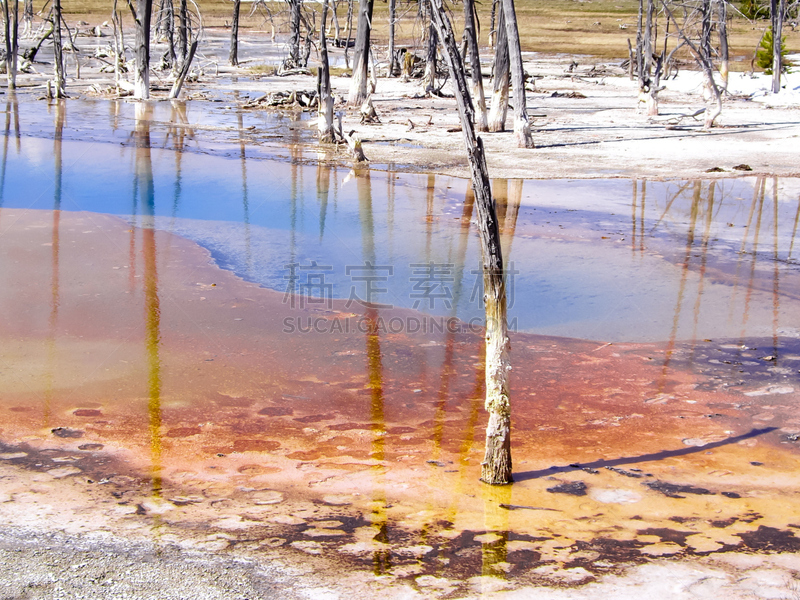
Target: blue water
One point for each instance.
(610, 260)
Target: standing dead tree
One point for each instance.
(394, 68)
(694, 23)
(184, 31)
(233, 55)
(58, 52)
(165, 29)
(293, 60)
(500, 78)
(358, 84)
(648, 79)
(27, 18)
(476, 77)
(11, 19)
(142, 14)
(431, 43)
(776, 9)
(722, 30)
(522, 128)
(325, 109)
(496, 465)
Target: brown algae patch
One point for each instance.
(197, 429)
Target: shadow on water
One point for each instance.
(630, 460)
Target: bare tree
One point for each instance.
(500, 77)
(27, 17)
(393, 66)
(233, 56)
(325, 109)
(522, 129)
(431, 43)
(358, 84)
(693, 26)
(776, 9)
(58, 52)
(496, 465)
(12, 41)
(142, 14)
(166, 22)
(471, 34)
(184, 32)
(649, 74)
(294, 34)
(722, 31)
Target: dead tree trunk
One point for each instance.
(703, 54)
(58, 52)
(349, 28)
(522, 129)
(478, 97)
(141, 77)
(496, 465)
(32, 51)
(360, 79)
(167, 20)
(500, 78)
(335, 23)
(393, 66)
(294, 34)
(776, 11)
(27, 17)
(640, 42)
(493, 24)
(233, 56)
(187, 64)
(325, 108)
(183, 33)
(12, 41)
(646, 84)
(429, 77)
(722, 31)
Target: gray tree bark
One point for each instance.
(325, 110)
(646, 83)
(233, 56)
(12, 41)
(141, 77)
(776, 11)
(167, 20)
(187, 64)
(478, 98)
(393, 67)
(496, 466)
(58, 52)
(722, 30)
(431, 42)
(522, 129)
(500, 78)
(360, 79)
(183, 33)
(294, 35)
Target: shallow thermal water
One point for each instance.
(612, 260)
(159, 378)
